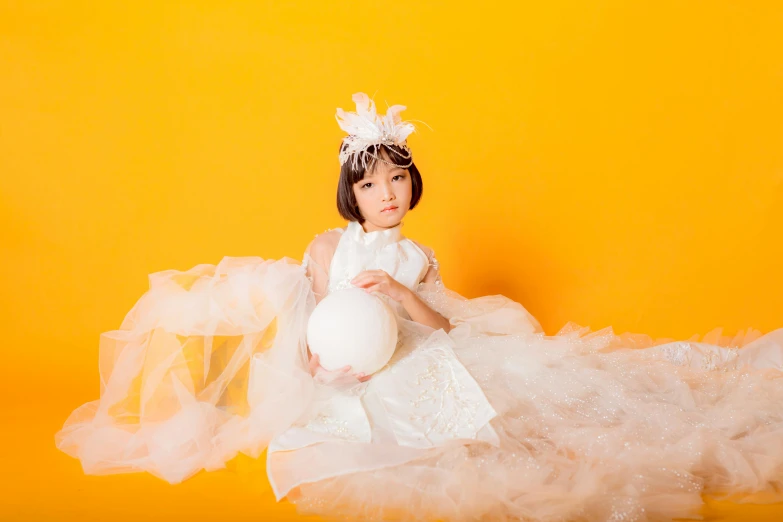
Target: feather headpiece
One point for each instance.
(366, 128)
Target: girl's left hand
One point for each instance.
(380, 281)
(323, 375)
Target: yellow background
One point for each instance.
(604, 162)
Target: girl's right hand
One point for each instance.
(323, 375)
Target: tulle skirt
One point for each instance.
(208, 363)
(590, 425)
(590, 430)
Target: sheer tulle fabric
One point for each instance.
(592, 426)
(589, 426)
(209, 362)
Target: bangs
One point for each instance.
(396, 155)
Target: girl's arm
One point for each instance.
(316, 261)
(418, 310)
(380, 281)
(317, 258)
(422, 313)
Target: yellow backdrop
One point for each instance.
(609, 163)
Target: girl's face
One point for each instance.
(383, 195)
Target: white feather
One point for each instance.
(366, 128)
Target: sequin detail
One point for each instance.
(704, 357)
(342, 416)
(453, 414)
(331, 425)
(430, 396)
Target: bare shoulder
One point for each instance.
(325, 242)
(424, 248)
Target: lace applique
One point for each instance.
(429, 395)
(713, 358)
(677, 353)
(434, 294)
(441, 405)
(341, 285)
(342, 416)
(436, 266)
(331, 425)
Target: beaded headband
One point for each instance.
(366, 128)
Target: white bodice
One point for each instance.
(423, 398)
(386, 250)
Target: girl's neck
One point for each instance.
(369, 227)
(377, 237)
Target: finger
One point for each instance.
(368, 284)
(358, 280)
(364, 279)
(374, 288)
(364, 378)
(345, 369)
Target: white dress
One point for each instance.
(494, 419)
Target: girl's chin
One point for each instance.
(391, 217)
(388, 220)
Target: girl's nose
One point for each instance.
(388, 193)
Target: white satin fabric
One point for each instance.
(423, 398)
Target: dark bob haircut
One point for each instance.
(346, 199)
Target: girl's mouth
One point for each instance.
(389, 209)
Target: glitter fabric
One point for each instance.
(583, 425)
(493, 420)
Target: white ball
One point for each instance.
(352, 327)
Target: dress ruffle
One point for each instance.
(590, 425)
(209, 362)
(590, 428)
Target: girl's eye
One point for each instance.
(367, 185)
(398, 176)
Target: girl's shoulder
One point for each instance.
(427, 251)
(325, 241)
(330, 234)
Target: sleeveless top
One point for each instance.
(386, 250)
(424, 397)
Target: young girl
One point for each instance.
(478, 414)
